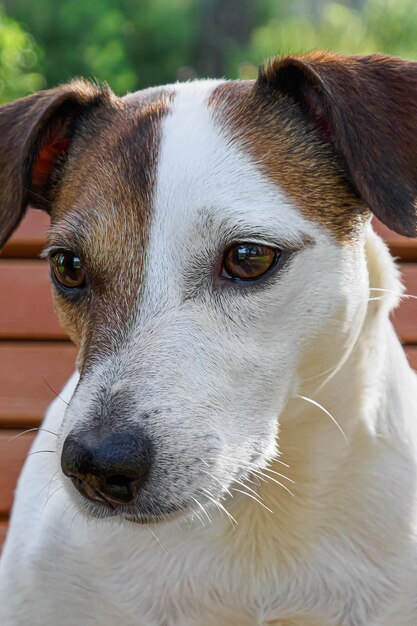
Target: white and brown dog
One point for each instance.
(240, 446)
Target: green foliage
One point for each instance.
(129, 44)
(132, 44)
(18, 61)
(368, 26)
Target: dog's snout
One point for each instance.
(107, 467)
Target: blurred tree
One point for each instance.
(18, 61)
(136, 43)
(225, 26)
(349, 26)
(128, 44)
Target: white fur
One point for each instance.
(229, 374)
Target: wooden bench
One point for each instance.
(36, 356)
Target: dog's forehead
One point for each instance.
(218, 143)
(205, 178)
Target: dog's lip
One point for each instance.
(157, 518)
(99, 510)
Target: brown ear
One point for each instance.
(366, 107)
(35, 136)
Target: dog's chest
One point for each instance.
(195, 586)
(134, 576)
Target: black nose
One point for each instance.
(108, 467)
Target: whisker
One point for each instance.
(67, 508)
(219, 481)
(399, 295)
(45, 464)
(34, 193)
(250, 464)
(268, 469)
(194, 512)
(48, 484)
(275, 481)
(41, 452)
(253, 498)
(319, 406)
(238, 482)
(159, 542)
(329, 370)
(256, 480)
(221, 507)
(31, 430)
(54, 392)
(203, 510)
(73, 520)
(49, 497)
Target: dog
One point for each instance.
(239, 446)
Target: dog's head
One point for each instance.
(207, 241)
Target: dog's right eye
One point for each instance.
(68, 270)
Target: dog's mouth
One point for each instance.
(147, 510)
(136, 516)
(151, 514)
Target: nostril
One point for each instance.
(118, 481)
(107, 467)
(118, 488)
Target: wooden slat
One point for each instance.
(12, 455)
(3, 531)
(27, 311)
(405, 317)
(402, 247)
(30, 373)
(411, 352)
(29, 238)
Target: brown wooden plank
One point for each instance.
(411, 352)
(26, 311)
(405, 317)
(3, 531)
(402, 247)
(12, 454)
(29, 238)
(30, 373)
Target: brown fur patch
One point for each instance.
(102, 212)
(27, 126)
(331, 129)
(367, 107)
(273, 130)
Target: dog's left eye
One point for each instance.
(248, 261)
(68, 270)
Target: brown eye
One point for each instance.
(248, 261)
(68, 270)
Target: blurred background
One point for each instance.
(133, 44)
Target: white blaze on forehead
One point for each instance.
(200, 174)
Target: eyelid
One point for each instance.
(52, 250)
(280, 246)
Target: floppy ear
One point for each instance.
(366, 107)
(35, 136)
